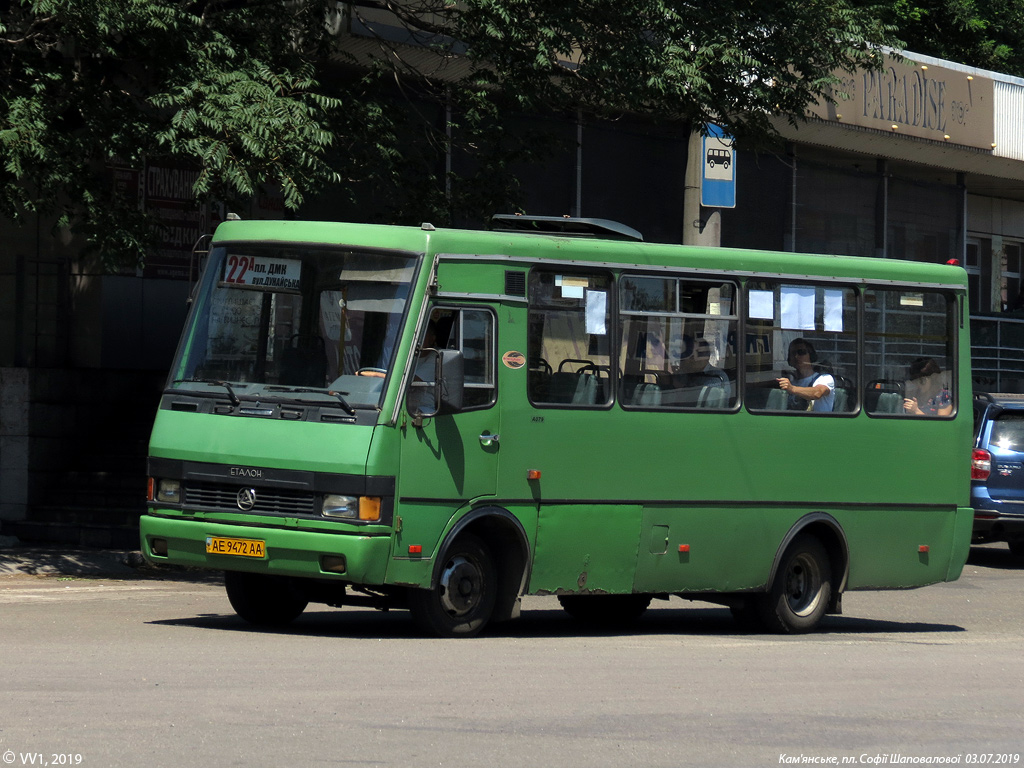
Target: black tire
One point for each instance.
(605, 610)
(461, 602)
(267, 601)
(801, 590)
(1016, 548)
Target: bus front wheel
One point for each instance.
(799, 595)
(462, 601)
(270, 601)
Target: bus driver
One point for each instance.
(809, 389)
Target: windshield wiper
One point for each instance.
(340, 395)
(215, 382)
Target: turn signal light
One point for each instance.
(369, 507)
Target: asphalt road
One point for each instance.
(159, 672)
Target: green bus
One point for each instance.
(445, 421)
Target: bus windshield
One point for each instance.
(276, 321)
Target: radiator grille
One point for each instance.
(269, 501)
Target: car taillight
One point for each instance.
(981, 464)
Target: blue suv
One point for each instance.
(997, 470)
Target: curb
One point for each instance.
(25, 560)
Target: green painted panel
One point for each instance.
(725, 549)
(585, 548)
(263, 442)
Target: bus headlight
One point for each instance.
(352, 507)
(336, 505)
(169, 491)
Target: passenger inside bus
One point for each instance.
(696, 370)
(927, 391)
(809, 388)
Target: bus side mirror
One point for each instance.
(451, 381)
(444, 393)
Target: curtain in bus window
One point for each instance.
(568, 348)
(786, 319)
(908, 345)
(678, 343)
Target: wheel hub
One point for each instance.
(803, 585)
(461, 586)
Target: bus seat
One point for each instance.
(776, 400)
(647, 394)
(889, 402)
(586, 390)
(841, 399)
(711, 397)
(562, 387)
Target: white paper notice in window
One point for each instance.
(798, 307)
(834, 311)
(597, 308)
(762, 305)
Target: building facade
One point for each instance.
(924, 162)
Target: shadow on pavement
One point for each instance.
(995, 556)
(551, 623)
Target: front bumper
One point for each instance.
(299, 553)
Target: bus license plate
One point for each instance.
(217, 545)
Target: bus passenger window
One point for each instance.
(801, 348)
(908, 341)
(568, 348)
(678, 343)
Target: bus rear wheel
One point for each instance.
(607, 610)
(461, 602)
(269, 601)
(799, 595)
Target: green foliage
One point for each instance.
(735, 62)
(981, 33)
(261, 93)
(220, 86)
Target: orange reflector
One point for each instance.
(369, 507)
(923, 548)
(533, 474)
(150, 490)
(415, 549)
(684, 547)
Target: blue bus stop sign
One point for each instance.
(718, 178)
